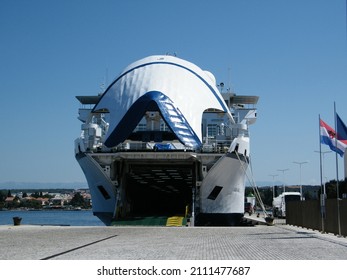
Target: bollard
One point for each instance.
(16, 221)
(269, 221)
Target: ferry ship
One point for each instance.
(164, 140)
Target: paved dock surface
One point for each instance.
(260, 242)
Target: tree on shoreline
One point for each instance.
(78, 200)
(35, 200)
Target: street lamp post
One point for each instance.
(273, 184)
(283, 170)
(300, 163)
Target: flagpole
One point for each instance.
(322, 195)
(337, 175)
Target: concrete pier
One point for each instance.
(260, 242)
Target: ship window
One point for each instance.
(104, 192)
(212, 130)
(164, 126)
(215, 192)
(140, 127)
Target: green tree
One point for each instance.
(330, 188)
(2, 196)
(307, 195)
(36, 194)
(30, 204)
(266, 195)
(12, 204)
(2, 199)
(77, 200)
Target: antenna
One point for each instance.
(102, 87)
(229, 79)
(104, 84)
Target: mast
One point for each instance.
(337, 175)
(323, 195)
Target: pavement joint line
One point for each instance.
(79, 247)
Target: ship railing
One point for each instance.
(139, 146)
(212, 146)
(216, 146)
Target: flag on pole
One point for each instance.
(341, 130)
(328, 137)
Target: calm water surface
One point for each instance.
(51, 217)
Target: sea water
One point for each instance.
(51, 217)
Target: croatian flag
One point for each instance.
(328, 137)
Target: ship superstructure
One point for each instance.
(162, 140)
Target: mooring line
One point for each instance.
(77, 248)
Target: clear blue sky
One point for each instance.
(293, 54)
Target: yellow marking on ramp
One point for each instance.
(175, 221)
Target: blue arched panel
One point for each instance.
(153, 101)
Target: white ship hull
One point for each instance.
(228, 178)
(221, 207)
(102, 190)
